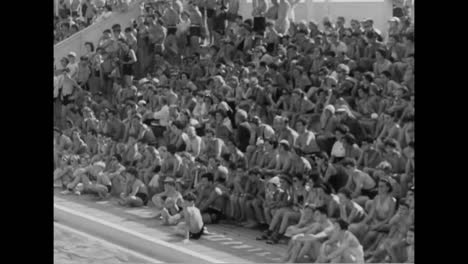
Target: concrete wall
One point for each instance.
(93, 33)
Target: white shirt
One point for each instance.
(58, 82)
(67, 86)
(194, 145)
(340, 47)
(183, 27)
(73, 69)
(162, 115)
(338, 150)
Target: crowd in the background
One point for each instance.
(74, 15)
(302, 130)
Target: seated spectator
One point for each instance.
(170, 212)
(136, 193)
(342, 247)
(332, 174)
(100, 183)
(381, 210)
(309, 242)
(291, 214)
(350, 211)
(247, 198)
(169, 192)
(192, 227)
(398, 228)
(362, 185)
(211, 199)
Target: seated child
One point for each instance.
(170, 212)
(193, 226)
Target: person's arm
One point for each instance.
(218, 148)
(272, 164)
(287, 165)
(248, 189)
(359, 182)
(285, 200)
(163, 113)
(339, 251)
(361, 161)
(371, 214)
(343, 213)
(133, 58)
(135, 189)
(205, 204)
(176, 166)
(324, 234)
(393, 132)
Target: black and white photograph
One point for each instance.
(233, 131)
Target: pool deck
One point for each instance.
(225, 243)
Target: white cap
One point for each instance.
(100, 164)
(341, 110)
(374, 116)
(330, 108)
(143, 81)
(73, 54)
(275, 180)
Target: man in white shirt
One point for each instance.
(338, 151)
(336, 45)
(163, 114)
(195, 142)
(73, 65)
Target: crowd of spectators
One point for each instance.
(304, 131)
(75, 15)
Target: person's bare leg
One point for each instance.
(361, 200)
(277, 218)
(242, 209)
(267, 214)
(405, 180)
(379, 254)
(297, 247)
(257, 206)
(180, 229)
(305, 250)
(158, 202)
(165, 216)
(324, 250)
(206, 218)
(288, 251)
(87, 184)
(75, 182)
(394, 251)
(101, 190)
(231, 207)
(287, 218)
(368, 205)
(194, 44)
(134, 202)
(369, 239)
(250, 213)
